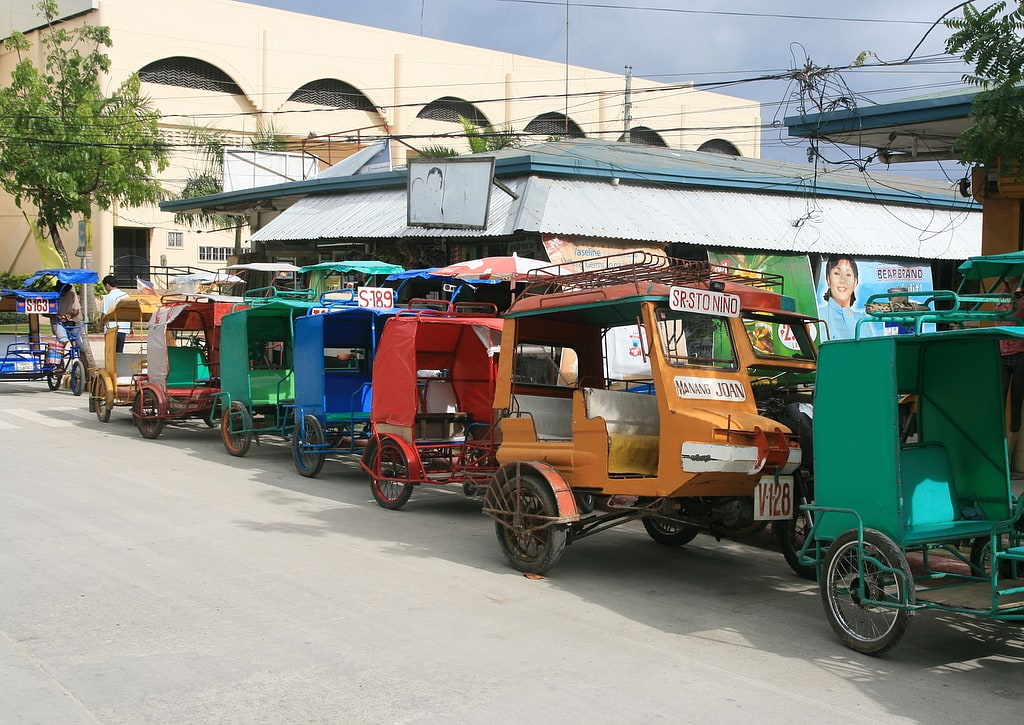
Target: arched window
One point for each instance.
(448, 110)
(183, 72)
(554, 124)
(719, 146)
(334, 94)
(645, 136)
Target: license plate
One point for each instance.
(773, 500)
(24, 367)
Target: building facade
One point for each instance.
(330, 88)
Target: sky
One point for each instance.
(726, 42)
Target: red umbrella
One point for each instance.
(502, 268)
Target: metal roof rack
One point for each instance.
(635, 267)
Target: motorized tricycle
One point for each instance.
(625, 392)
(893, 512)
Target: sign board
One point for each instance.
(36, 306)
(704, 302)
(381, 298)
(251, 168)
(449, 193)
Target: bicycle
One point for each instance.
(69, 361)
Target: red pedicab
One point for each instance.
(432, 417)
(183, 375)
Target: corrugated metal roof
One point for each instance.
(705, 217)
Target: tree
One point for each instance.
(208, 177)
(992, 40)
(64, 145)
(481, 140)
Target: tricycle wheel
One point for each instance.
(981, 556)
(388, 480)
(869, 627)
(236, 429)
(103, 395)
(146, 411)
(668, 532)
(54, 375)
(308, 434)
(529, 540)
(77, 371)
(791, 535)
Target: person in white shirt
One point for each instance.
(114, 293)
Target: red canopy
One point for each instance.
(465, 347)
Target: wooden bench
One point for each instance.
(633, 428)
(931, 509)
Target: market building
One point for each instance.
(570, 200)
(330, 88)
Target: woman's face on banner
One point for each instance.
(841, 282)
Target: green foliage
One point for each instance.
(208, 177)
(991, 41)
(66, 146)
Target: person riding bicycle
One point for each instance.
(68, 310)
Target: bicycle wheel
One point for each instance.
(55, 374)
(77, 372)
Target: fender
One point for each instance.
(160, 393)
(565, 501)
(369, 460)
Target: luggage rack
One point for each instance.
(635, 267)
(914, 309)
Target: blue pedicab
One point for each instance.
(334, 353)
(33, 359)
(257, 358)
(892, 510)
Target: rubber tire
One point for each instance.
(102, 397)
(839, 566)
(146, 412)
(237, 444)
(309, 433)
(669, 533)
(55, 375)
(77, 372)
(981, 555)
(529, 552)
(791, 535)
(390, 463)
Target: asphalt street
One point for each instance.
(167, 582)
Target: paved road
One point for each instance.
(165, 582)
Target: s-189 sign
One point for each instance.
(377, 297)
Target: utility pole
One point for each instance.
(567, 68)
(627, 111)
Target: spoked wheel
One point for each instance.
(981, 556)
(791, 535)
(103, 397)
(524, 507)
(310, 434)
(77, 371)
(146, 411)
(668, 532)
(388, 482)
(869, 627)
(236, 429)
(54, 375)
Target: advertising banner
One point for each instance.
(845, 283)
